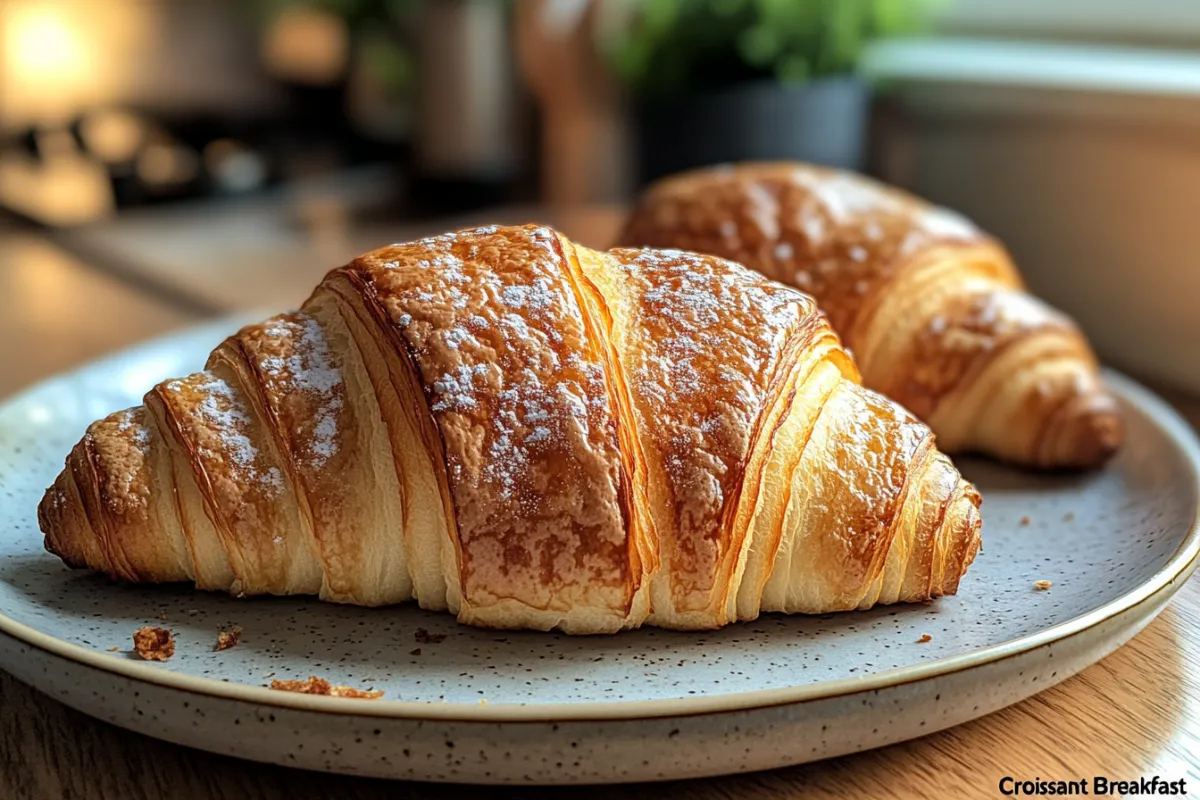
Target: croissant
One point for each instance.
(529, 434)
(932, 308)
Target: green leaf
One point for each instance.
(660, 15)
(677, 45)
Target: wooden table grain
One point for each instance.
(1136, 713)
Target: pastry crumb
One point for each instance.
(315, 685)
(1041, 586)
(228, 638)
(113, 649)
(154, 644)
(425, 637)
(1069, 516)
(925, 637)
(415, 652)
(483, 701)
(1024, 520)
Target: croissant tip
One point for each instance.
(1085, 435)
(55, 540)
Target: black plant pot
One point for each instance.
(823, 121)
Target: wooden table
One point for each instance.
(1135, 713)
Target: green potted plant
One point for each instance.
(728, 80)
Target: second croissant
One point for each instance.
(932, 307)
(529, 434)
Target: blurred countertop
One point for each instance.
(271, 250)
(57, 311)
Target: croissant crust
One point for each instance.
(527, 433)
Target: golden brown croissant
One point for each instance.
(933, 309)
(527, 433)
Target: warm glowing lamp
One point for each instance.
(47, 59)
(43, 43)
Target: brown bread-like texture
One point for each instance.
(528, 434)
(933, 309)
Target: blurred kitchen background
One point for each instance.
(164, 161)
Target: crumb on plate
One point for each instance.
(154, 644)
(113, 649)
(925, 637)
(415, 652)
(228, 638)
(1069, 516)
(1041, 586)
(1024, 520)
(315, 685)
(425, 637)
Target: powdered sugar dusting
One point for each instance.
(692, 303)
(127, 421)
(135, 431)
(455, 337)
(710, 335)
(496, 364)
(442, 240)
(813, 226)
(845, 197)
(546, 240)
(536, 295)
(1011, 311)
(309, 368)
(224, 412)
(912, 242)
(942, 223)
(532, 414)
(455, 390)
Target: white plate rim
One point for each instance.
(1177, 569)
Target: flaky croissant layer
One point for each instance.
(933, 308)
(529, 434)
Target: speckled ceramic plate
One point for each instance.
(528, 707)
